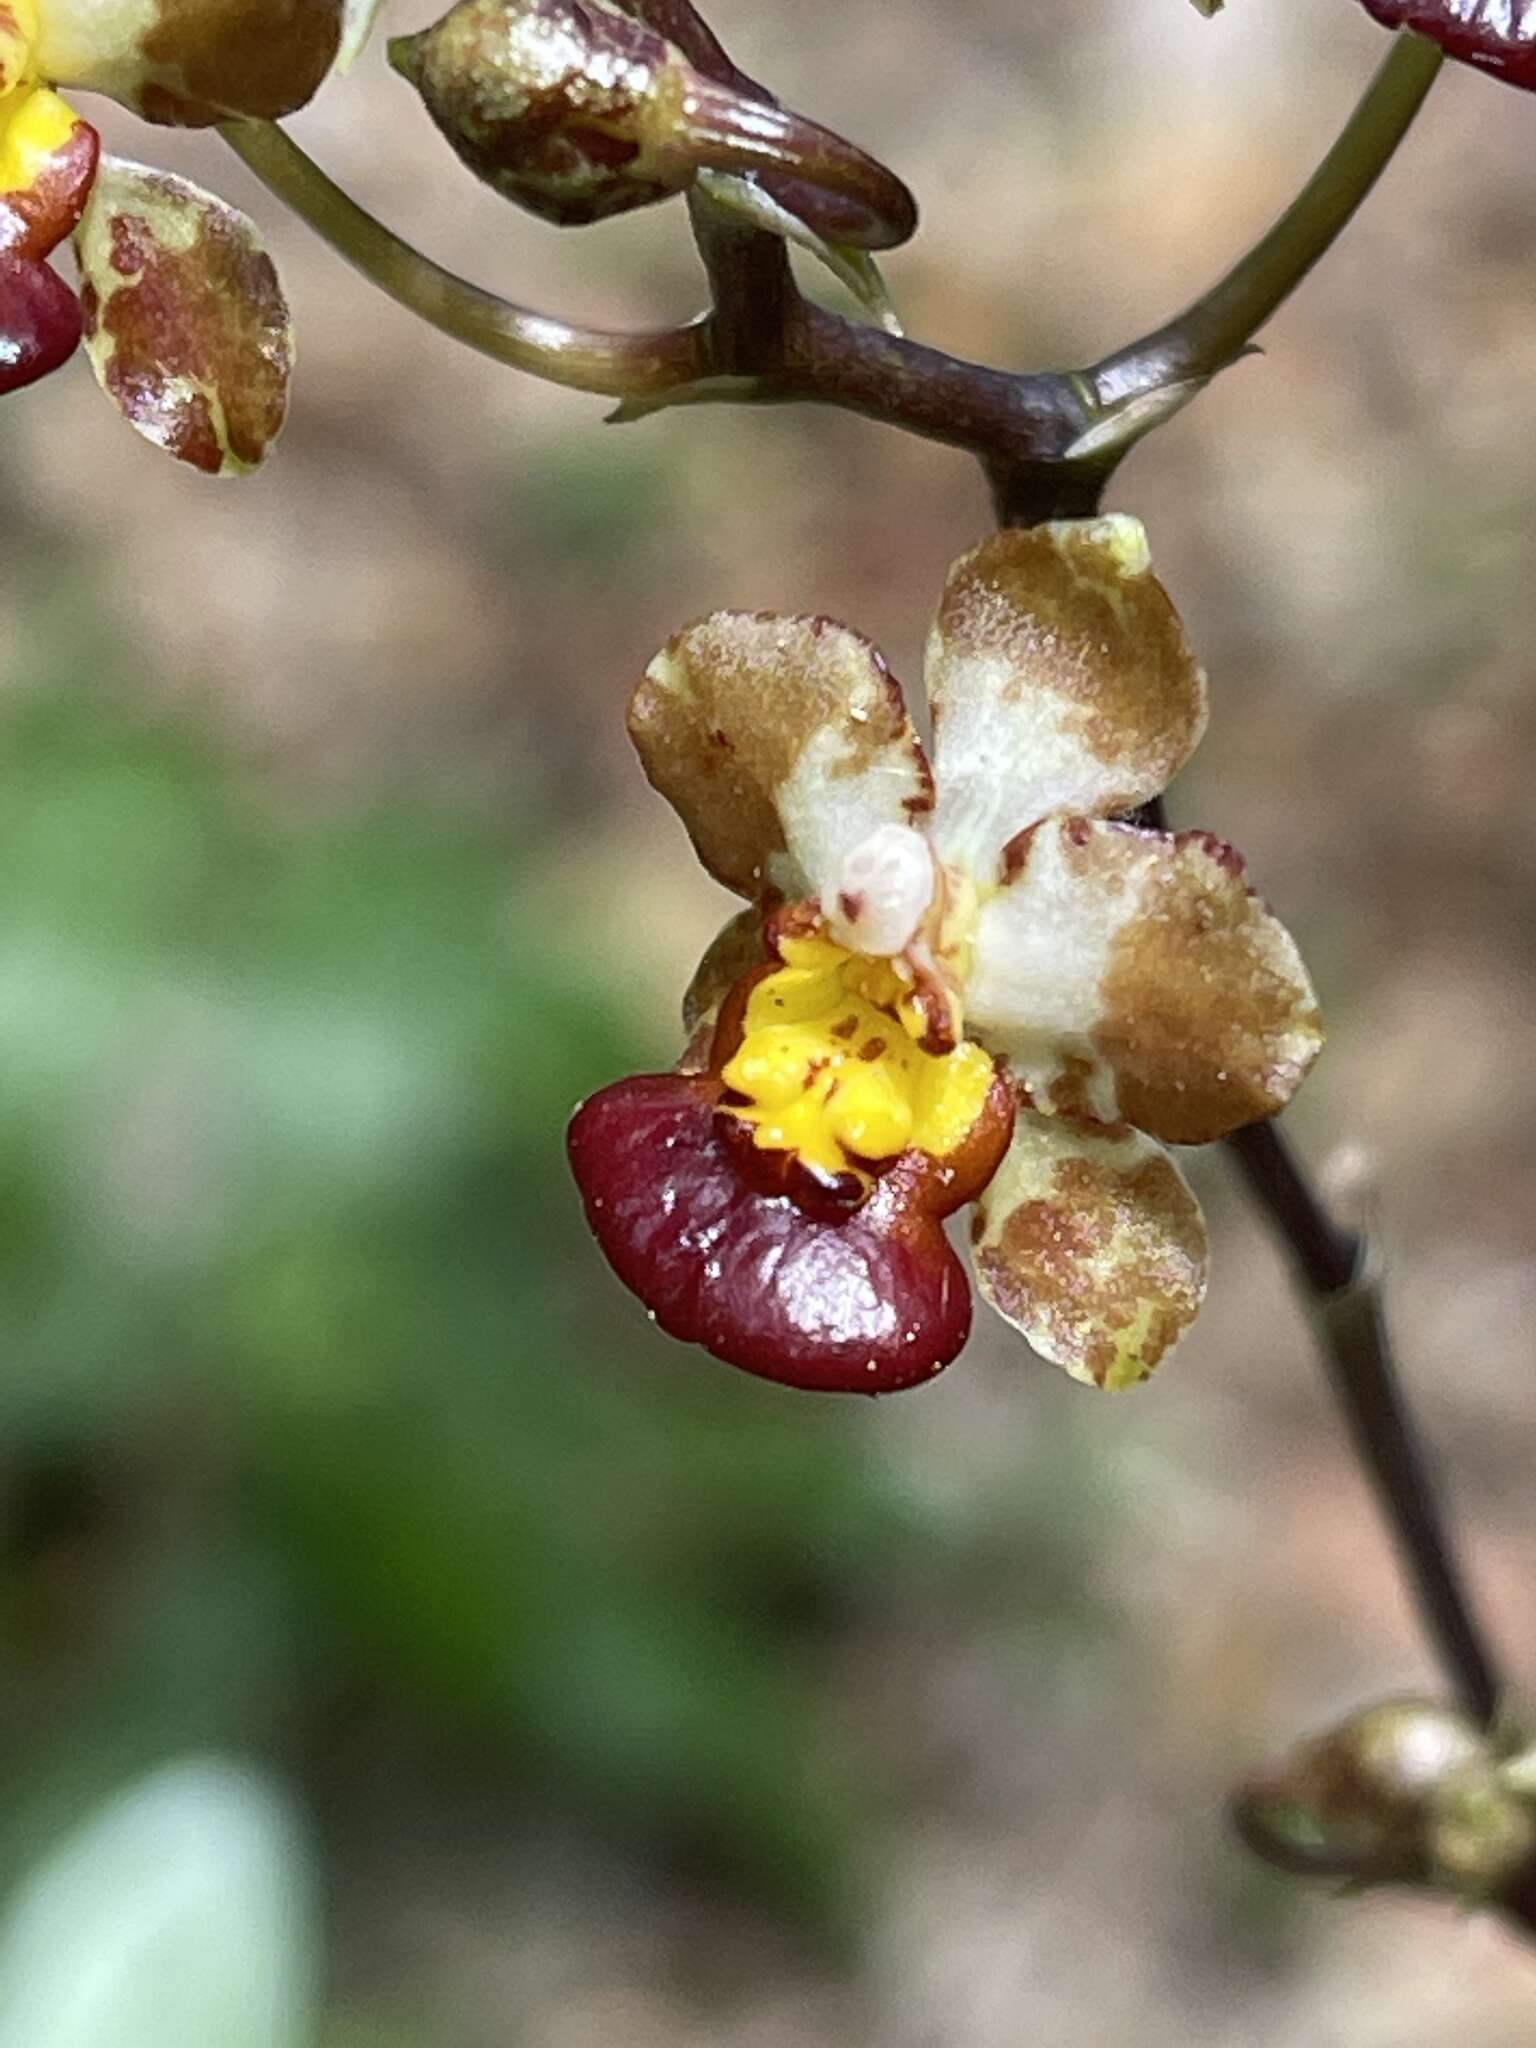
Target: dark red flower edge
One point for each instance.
(39, 321)
(866, 1302)
(1492, 34)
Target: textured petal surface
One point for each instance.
(1135, 976)
(782, 743)
(39, 322)
(1060, 680)
(868, 1304)
(185, 323)
(1089, 1241)
(185, 63)
(1496, 35)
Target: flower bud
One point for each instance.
(578, 111)
(1361, 1801)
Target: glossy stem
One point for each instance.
(1333, 1265)
(587, 359)
(1048, 440)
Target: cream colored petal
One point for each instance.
(1135, 976)
(1089, 1241)
(782, 743)
(1060, 680)
(186, 63)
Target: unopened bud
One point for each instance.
(1361, 1802)
(578, 111)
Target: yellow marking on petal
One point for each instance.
(1125, 539)
(1129, 1366)
(35, 125)
(831, 1069)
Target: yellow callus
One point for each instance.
(35, 124)
(830, 1067)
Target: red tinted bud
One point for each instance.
(578, 111)
(39, 322)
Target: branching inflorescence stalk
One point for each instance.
(1049, 442)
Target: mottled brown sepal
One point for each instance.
(186, 325)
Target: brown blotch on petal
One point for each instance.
(188, 329)
(205, 59)
(1210, 1020)
(1112, 1252)
(1059, 606)
(725, 712)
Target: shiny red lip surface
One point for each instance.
(867, 1303)
(39, 322)
(1498, 36)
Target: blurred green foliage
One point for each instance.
(286, 1222)
(324, 1434)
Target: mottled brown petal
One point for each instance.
(186, 325)
(1135, 976)
(186, 63)
(782, 743)
(1060, 680)
(1089, 1241)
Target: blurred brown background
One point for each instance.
(636, 1704)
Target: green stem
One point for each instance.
(1219, 326)
(616, 365)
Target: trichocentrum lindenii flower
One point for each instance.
(963, 983)
(183, 319)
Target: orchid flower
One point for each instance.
(965, 983)
(183, 319)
